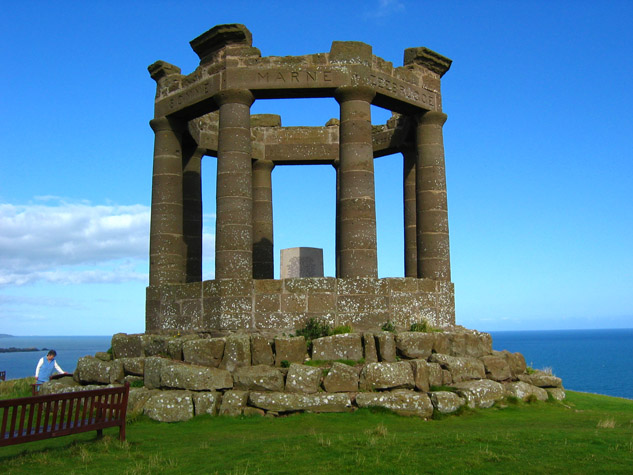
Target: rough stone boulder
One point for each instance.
(436, 374)
(469, 343)
(481, 393)
(303, 379)
(408, 403)
(258, 378)
(446, 402)
(156, 345)
(237, 351)
(93, 370)
(152, 371)
(134, 366)
(386, 376)
(420, 374)
(62, 385)
(516, 361)
(103, 356)
(441, 343)
(347, 346)
(137, 399)
(197, 378)
(206, 402)
(127, 346)
(523, 391)
(292, 402)
(386, 346)
(497, 368)
(557, 393)
(369, 346)
(290, 349)
(544, 380)
(233, 403)
(415, 344)
(204, 352)
(462, 368)
(169, 406)
(341, 378)
(261, 351)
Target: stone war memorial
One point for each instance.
(246, 343)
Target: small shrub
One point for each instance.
(388, 327)
(422, 326)
(139, 383)
(530, 370)
(313, 330)
(513, 400)
(531, 399)
(340, 330)
(285, 364)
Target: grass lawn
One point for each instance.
(586, 433)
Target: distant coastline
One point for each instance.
(4, 335)
(19, 350)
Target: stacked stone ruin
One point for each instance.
(224, 346)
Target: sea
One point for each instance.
(593, 361)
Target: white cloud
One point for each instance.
(62, 242)
(386, 7)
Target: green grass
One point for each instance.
(584, 434)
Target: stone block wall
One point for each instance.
(411, 373)
(255, 305)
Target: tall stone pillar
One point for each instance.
(192, 208)
(234, 195)
(263, 260)
(432, 215)
(167, 253)
(337, 230)
(410, 215)
(356, 199)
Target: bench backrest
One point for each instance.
(39, 417)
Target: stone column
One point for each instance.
(167, 253)
(337, 230)
(410, 236)
(432, 216)
(234, 198)
(356, 200)
(192, 208)
(263, 260)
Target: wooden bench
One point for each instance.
(33, 418)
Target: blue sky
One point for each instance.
(538, 145)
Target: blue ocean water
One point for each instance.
(69, 349)
(594, 361)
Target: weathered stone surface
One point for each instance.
(415, 344)
(237, 351)
(420, 374)
(516, 361)
(169, 406)
(206, 402)
(62, 385)
(523, 391)
(174, 348)
(92, 370)
(152, 370)
(408, 403)
(545, 380)
(481, 393)
(135, 366)
(103, 356)
(478, 344)
(127, 346)
(258, 378)
(291, 402)
(386, 346)
(369, 347)
(197, 378)
(447, 377)
(338, 347)
(155, 345)
(261, 351)
(137, 399)
(557, 393)
(441, 343)
(204, 352)
(446, 402)
(253, 411)
(435, 374)
(497, 368)
(462, 368)
(386, 376)
(291, 349)
(303, 379)
(233, 403)
(341, 378)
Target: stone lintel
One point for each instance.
(427, 58)
(161, 69)
(218, 37)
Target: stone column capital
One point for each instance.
(234, 96)
(432, 118)
(264, 165)
(354, 93)
(161, 124)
